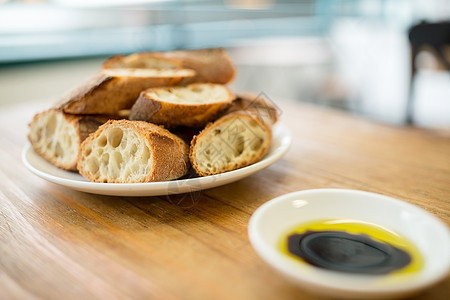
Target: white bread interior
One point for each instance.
(132, 151)
(54, 136)
(136, 72)
(193, 94)
(118, 153)
(193, 105)
(233, 141)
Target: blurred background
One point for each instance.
(374, 58)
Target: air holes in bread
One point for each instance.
(54, 136)
(233, 141)
(101, 142)
(128, 156)
(115, 137)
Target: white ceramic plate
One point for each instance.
(281, 140)
(276, 217)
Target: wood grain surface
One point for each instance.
(56, 243)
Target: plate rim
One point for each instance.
(146, 188)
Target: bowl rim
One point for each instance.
(279, 262)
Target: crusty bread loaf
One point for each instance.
(126, 151)
(193, 105)
(233, 141)
(256, 104)
(210, 65)
(57, 136)
(142, 60)
(112, 90)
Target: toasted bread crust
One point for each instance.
(167, 154)
(154, 108)
(215, 149)
(210, 65)
(107, 93)
(255, 104)
(56, 136)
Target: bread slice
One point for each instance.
(193, 105)
(123, 151)
(210, 65)
(233, 141)
(112, 90)
(57, 136)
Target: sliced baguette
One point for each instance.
(193, 105)
(126, 151)
(210, 65)
(233, 141)
(57, 136)
(142, 60)
(112, 90)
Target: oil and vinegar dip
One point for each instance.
(351, 246)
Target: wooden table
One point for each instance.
(57, 243)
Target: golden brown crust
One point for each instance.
(107, 93)
(154, 109)
(79, 126)
(256, 104)
(211, 65)
(169, 154)
(203, 143)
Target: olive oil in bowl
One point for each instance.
(351, 246)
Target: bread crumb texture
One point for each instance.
(232, 142)
(163, 73)
(125, 152)
(200, 93)
(54, 137)
(192, 105)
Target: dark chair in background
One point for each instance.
(435, 37)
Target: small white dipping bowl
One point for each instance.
(274, 219)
